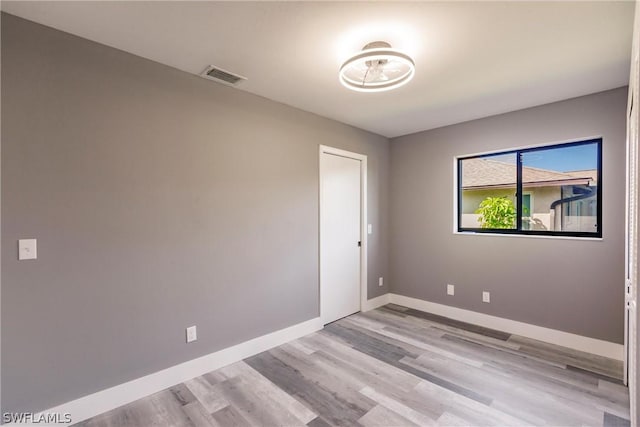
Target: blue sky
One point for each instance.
(572, 158)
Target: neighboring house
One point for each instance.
(551, 200)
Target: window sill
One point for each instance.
(529, 236)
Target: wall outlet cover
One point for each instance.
(381, 281)
(486, 296)
(451, 289)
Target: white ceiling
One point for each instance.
(473, 59)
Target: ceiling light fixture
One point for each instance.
(377, 68)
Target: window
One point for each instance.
(496, 192)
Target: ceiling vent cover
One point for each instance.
(222, 76)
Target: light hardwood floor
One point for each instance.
(395, 367)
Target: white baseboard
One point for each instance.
(553, 336)
(111, 398)
(376, 302)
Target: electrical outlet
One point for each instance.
(380, 281)
(486, 296)
(369, 229)
(192, 334)
(451, 289)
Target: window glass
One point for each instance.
(565, 181)
(544, 190)
(489, 192)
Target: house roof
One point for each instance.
(593, 173)
(485, 173)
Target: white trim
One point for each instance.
(632, 224)
(323, 149)
(111, 398)
(456, 217)
(376, 302)
(629, 252)
(526, 147)
(529, 236)
(553, 336)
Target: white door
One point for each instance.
(340, 235)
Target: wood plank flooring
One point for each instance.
(395, 366)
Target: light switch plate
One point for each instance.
(369, 228)
(192, 334)
(451, 290)
(486, 296)
(27, 249)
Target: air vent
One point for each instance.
(222, 76)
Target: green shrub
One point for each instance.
(497, 212)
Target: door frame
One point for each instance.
(324, 149)
(630, 242)
(632, 222)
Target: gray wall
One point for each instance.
(569, 285)
(159, 200)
